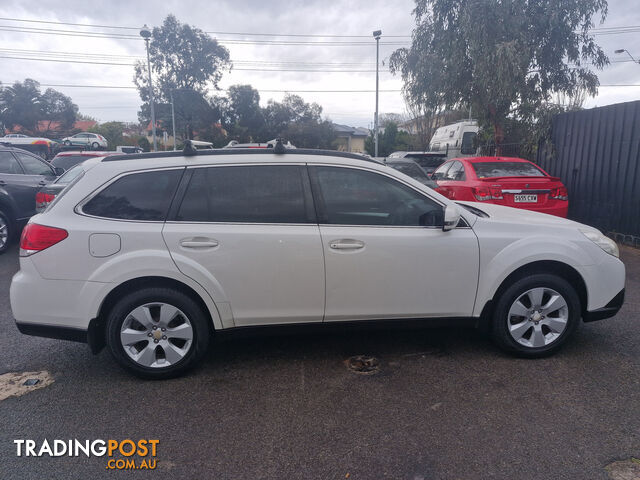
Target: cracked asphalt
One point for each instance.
(446, 404)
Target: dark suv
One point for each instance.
(22, 174)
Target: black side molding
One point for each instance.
(53, 331)
(608, 311)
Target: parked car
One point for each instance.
(128, 149)
(68, 159)
(428, 161)
(268, 144)
(22, 174)
(47, 194)
(411, 168)
(513, 182)
(86, 139)
(43, 147)
(162, 249)
(456, 139)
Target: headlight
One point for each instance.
(605, 243)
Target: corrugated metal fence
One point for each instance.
(596, 153)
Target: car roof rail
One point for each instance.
(238, 151)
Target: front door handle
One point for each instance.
(2, 183)
(42, 183)
(198, 243)
(346, 244)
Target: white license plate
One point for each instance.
(525, 198)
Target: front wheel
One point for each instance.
(536, 315)
(67, 143)
(157, 333)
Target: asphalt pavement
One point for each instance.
(446, 404)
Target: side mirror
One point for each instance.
(59, 171)
(451, 217)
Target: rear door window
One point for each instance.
(137, 196)
(8, 164)
(247, 194)
(34, 166)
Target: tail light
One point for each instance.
(43, 200)
(38, 237)
(483, 194)
(559, 193)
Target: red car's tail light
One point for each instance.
(559, 193)
(38, 237)
(43, 200)
(483, 194)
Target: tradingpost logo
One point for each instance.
(124, 454)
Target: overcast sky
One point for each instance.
(334, 17)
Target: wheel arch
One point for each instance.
(96, 332)
(554, 267)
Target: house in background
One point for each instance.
(350, 139)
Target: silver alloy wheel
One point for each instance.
(4, 232)
(538, 317)
(156, 335)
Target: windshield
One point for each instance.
(411, 169)
(68, 161)
(506, 169)
(426, 161)
(70, 175)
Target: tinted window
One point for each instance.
(506, 169)
(456, 172)
(70, 175)
(139, 196)
(358, 197)
(468, 138)
(411, 169)
(68, 161)
(426, 161)
(257, 194)
(8, 164)
(442, 171)
(33, 166)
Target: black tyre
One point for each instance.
(6, 231)
(157, 333)
(95, 145)
(536, 315)
(67, 142)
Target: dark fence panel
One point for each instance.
(596, 154)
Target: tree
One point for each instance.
(242, 116)
(185, 61)
(20, 104)
(57, 107)
(389, 141)
(503, 58)
(23, 104)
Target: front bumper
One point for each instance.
(608, 311)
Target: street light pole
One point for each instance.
(623, 50)
(377, 34)
(146, 34)
(173, 122)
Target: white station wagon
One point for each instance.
(151, 254)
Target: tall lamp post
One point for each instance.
(377, 34)
(146, 34)
(173, 122)
(623, 50)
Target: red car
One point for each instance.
(513, 182)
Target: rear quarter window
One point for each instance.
(137, 196)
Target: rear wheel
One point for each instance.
(95, 145)
(536, 315)
(157, 333)
(67, 142)
(6, 232)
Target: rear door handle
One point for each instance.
(2, 183)
(198, 243)
(346, 244)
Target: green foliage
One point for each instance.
(389, 141)
(23, 104)
(503, 58)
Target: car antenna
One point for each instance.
(279, 149)
(189, 149)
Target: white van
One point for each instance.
(455, 140)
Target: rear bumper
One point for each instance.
(608, 311)
(53, 331)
